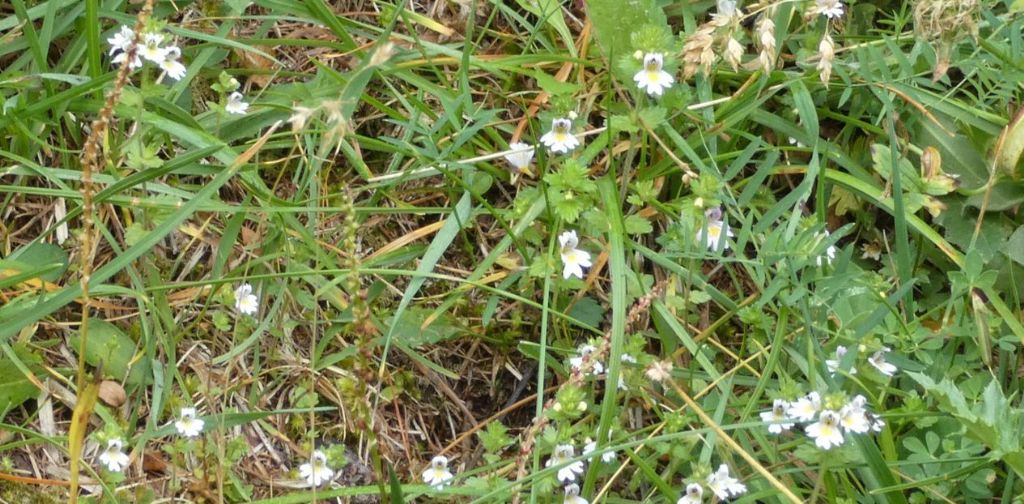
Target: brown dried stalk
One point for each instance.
(529, 436)
(87, 253)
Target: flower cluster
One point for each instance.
(150, 48)
(877, 361)
(826, 427)
(720, 482)
(113, 458)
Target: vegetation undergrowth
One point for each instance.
(534, 251)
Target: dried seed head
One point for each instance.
(697, 52)
(766, 36)
(733, 53)
(826, 53)
(944, 23)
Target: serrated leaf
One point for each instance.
(620, 122)
(634, 225)
(652, 116)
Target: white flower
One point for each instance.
(560, 138)
(652, 78)
(628, 358)
(833, 364)
(805, 408)
(520, 156)
(171, 65)
(694, 494)
(586, 349)
(726, 8)
(112, 457)
(437, 474)
(235, 104)
(826, 432)
(121, 57)
(246, 302)
(723, 485)
(830, 252)
(572, 495)
(878, 360)
(121, 40)
(150, 48)
(573, 259)
(188, 425)
(853, 417)
(561, 455)
(716, 228)
(316, 471)
(776, 417)
(831, 9)
(608, 456)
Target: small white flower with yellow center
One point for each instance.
(805, 408)
(520, 156)
(573, 259)
(246, 302)
(716, 229)
(572, 495)
(112, 457)
(150, 48)
(562, 454)
(723, 485)
(853, 417)
(560, 138)
(596, 367)
(316, 471)
(437, 475)
(826, 432)
(776, 417)
(652, 78)
(236, 104)
(878, 361)
(694, 494)
(188, 425)
(831, 9)
(833, 364)
(171, 66)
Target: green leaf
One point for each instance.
(652, 116)
(1015, 247)
(553, 86)
(40, 255)
(634, 225)
(111, 347)
(15, 387)
(588, 311)
(614, 22)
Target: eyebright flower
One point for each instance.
(573, 259)
(878, 360)
(560, 138)
(876, 423)
(723, 485)
(716, 229)
(776, 417)
(825, 432)
(245, 301)
(112, 457)
(652, 78)
(121, 40)
(188, 425)
(561, 455)
(316, 471)
(235, 104)
(572, 495)
(831, 9)
(833, 364)
(694, 494)
(607, 457)
(520, 157)
(853, 417)
(171, 65)
(437, 475)
(150, 48)
(726, 8)
(805, 408)
(596, 367)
